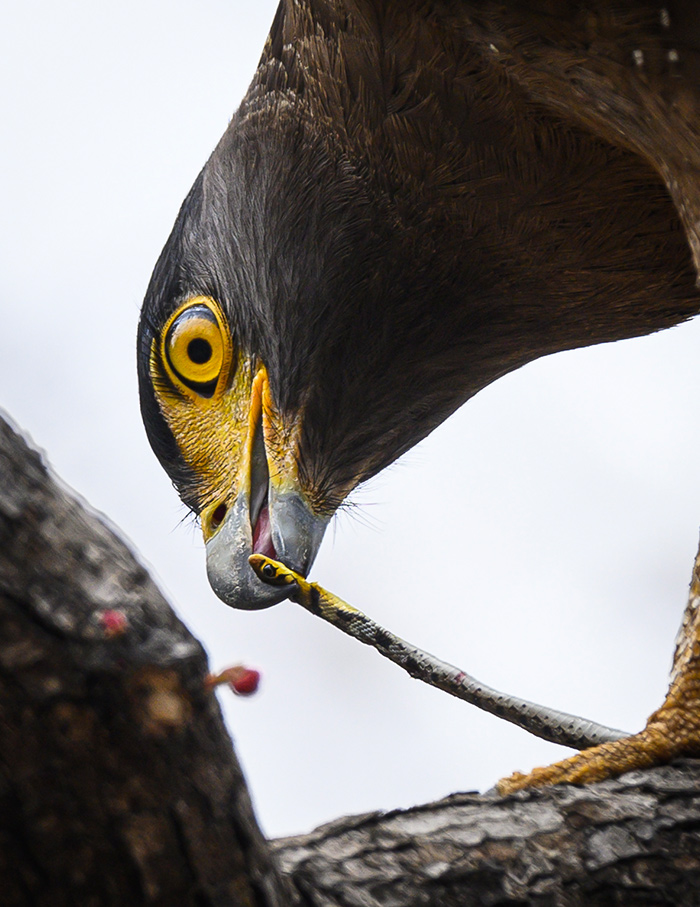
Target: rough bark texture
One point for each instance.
(118, 781)
(119, 785)
(635, 840)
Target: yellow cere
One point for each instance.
(214, 399)
(281, 444)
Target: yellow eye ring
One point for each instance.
(196, 347)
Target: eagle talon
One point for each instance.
(652, 746)
(672, 731)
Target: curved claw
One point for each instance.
(672, 731)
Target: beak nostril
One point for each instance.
(217, 517)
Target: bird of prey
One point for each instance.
(414, 198)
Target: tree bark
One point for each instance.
(119, 784)
(118, 781)
(634, 840)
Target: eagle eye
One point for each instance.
(196, 347)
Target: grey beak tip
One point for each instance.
(296, 535)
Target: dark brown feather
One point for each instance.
(418, 197)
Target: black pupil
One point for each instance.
(199, 351)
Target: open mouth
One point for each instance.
(259, 509)
(264, 506)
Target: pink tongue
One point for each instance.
(262, 535)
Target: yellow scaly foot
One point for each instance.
(672, 731)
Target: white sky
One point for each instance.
(542, 539)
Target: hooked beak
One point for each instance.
(268, 514)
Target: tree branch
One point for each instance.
(118, 781)
(634, 840)
(119, 784)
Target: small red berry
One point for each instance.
(243, 681)
(246, 683)
(114, 623)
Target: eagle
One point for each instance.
(414, 198)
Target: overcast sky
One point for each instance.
(564, 499)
